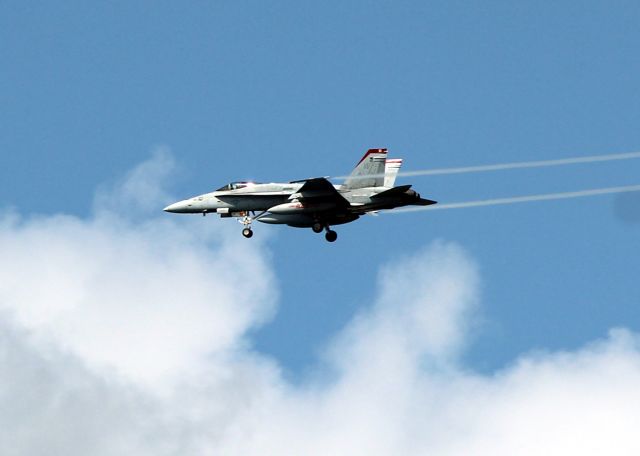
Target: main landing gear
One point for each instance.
(330, 236)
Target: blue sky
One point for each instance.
(292, 90)
(275, 91)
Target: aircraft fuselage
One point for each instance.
(256, 197)
(311, 203)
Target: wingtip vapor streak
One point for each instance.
(310, 203)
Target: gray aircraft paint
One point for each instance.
(310, 203)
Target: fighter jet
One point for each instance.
(312, 203)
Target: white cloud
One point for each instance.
(139, 190)
(50, 404)
(129, 337)
(150, 299)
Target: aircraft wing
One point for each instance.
(318, 189)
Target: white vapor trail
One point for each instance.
(516, 165)
(524, 199)
(529, 164)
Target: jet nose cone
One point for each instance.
(175, 207)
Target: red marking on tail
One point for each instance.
(372, 151)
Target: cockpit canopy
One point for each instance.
(234, 186)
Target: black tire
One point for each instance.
(247, 233)
(317, 227)
(331, 236)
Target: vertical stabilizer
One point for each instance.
(370, 170)
(391, 168)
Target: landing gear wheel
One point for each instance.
(247, 233)
(317, 227)
(331, 236)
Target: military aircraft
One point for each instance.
(310, 203)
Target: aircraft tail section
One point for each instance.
(370, 170)
(391, 168)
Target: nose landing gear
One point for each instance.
(246, 221)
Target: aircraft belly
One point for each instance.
(297, 220)
(307, 220)
(296, 208)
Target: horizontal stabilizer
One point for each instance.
(392, 191)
